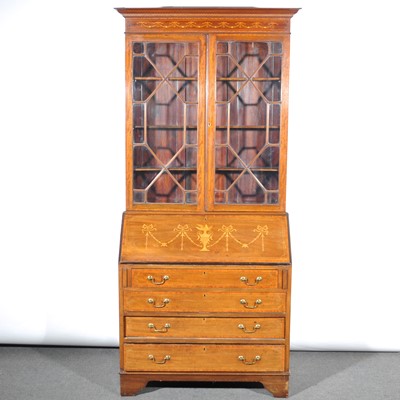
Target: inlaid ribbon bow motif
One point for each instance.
(147, 230)
(227, 232)
(182, 232)
(262, 231)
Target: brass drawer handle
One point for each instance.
(153, 302)
(243, 360)
(165, 359)
(161, 282)
(243, 328)
(245, 280)
(245, 304)
(162, 330)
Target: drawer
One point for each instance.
(198, 301)
(196, 358)
(206, 278)
(183, 327)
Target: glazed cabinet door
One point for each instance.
(247, 126)
(165, 121)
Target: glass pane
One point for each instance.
(274, 135)
(138, 48)
(271, 68)
(186, 179)
(143, 68)
(165, 113)
(165, 143)
(138, 196)
(165, 190)
(276, 47)
(268, 158)
(219, 197)
(247, 134)
(226, 158)
(138, 115)
(191, 124)
(191, 197)
(275, 115)
(222, 47)
(143, 157)
(221, 136)
(273, 197)
(249, 55)
(247, 143)
(165, 108)
(142, 90)
(138, 135)
(246, 190)
(186, 158)
(186, 89)
(222, 113)
(271, 90)
(269, 180)
(229, 67)
(164, 56)
(144, 178)
(226, 178)
(186, 67)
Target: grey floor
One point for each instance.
(61, 373)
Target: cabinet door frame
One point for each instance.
(165, 38)
(211, 121)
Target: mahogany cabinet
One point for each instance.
(205, 265)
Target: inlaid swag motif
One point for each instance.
(207, 24)
(206, 237)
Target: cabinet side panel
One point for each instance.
(129, 111)
(287, 319)
(284, 121)
(122, 272)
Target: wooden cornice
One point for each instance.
(207, 19)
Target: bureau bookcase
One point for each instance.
(205, 265)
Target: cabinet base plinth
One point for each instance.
(277, 385)
(132, 384)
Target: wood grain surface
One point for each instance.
(198, 358)
(231, 238)
(200, 277)
(183, 327)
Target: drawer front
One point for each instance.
(183, 327)
(216, 301)
(206, 278)
(196, 358)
